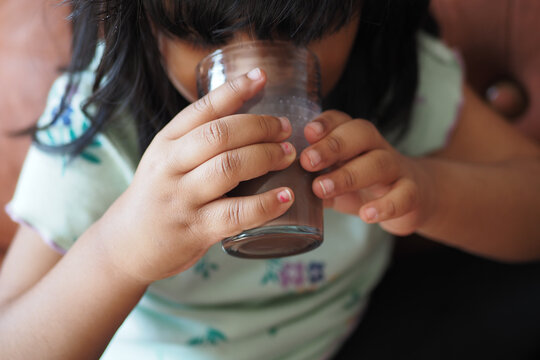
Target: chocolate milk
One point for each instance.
(292, 90)
(300, 229)
(296, 231)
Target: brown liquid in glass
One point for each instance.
(297, 231)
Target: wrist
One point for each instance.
(107, 240)
(424, 174)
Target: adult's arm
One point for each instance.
(486, 187)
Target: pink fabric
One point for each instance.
(34, 43)
(44, 237)
(459, 106)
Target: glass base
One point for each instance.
(273, 242)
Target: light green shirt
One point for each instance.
(299, 307)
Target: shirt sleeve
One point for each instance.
(61, 196)
(439, 98)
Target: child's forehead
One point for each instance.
(216, 21)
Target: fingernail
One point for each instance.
(327, 186)
(254, 74)
(317, 127)
(371, 214)
(287, 148)
(284, 196)
(285, 123)
(314, 157)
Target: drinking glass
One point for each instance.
(292, 90)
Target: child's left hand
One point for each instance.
(367, 177)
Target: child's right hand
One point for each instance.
(175, 208)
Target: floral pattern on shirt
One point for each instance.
(212, 337)
(294, 274)
(68, 123)
(205, 267)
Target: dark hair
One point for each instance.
(378, 83)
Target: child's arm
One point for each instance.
(172, 212)
(54, 307)
(480, 193)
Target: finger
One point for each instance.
(223, 101)
(341, 144)
(400, 200)
(230, 216)
(323, 124)
(228, 133)
(374, 167)
(225, 171)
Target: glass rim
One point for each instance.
(256, 44)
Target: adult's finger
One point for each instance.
(342, 143)
(323, 124)
(374, 167)
(400, 200)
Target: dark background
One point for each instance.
(440, 303)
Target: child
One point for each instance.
(137, 237)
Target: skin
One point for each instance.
(471, 194)
(332, 52)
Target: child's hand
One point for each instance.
(367, 176)
(175, 208)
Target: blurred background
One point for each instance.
(34, 45)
